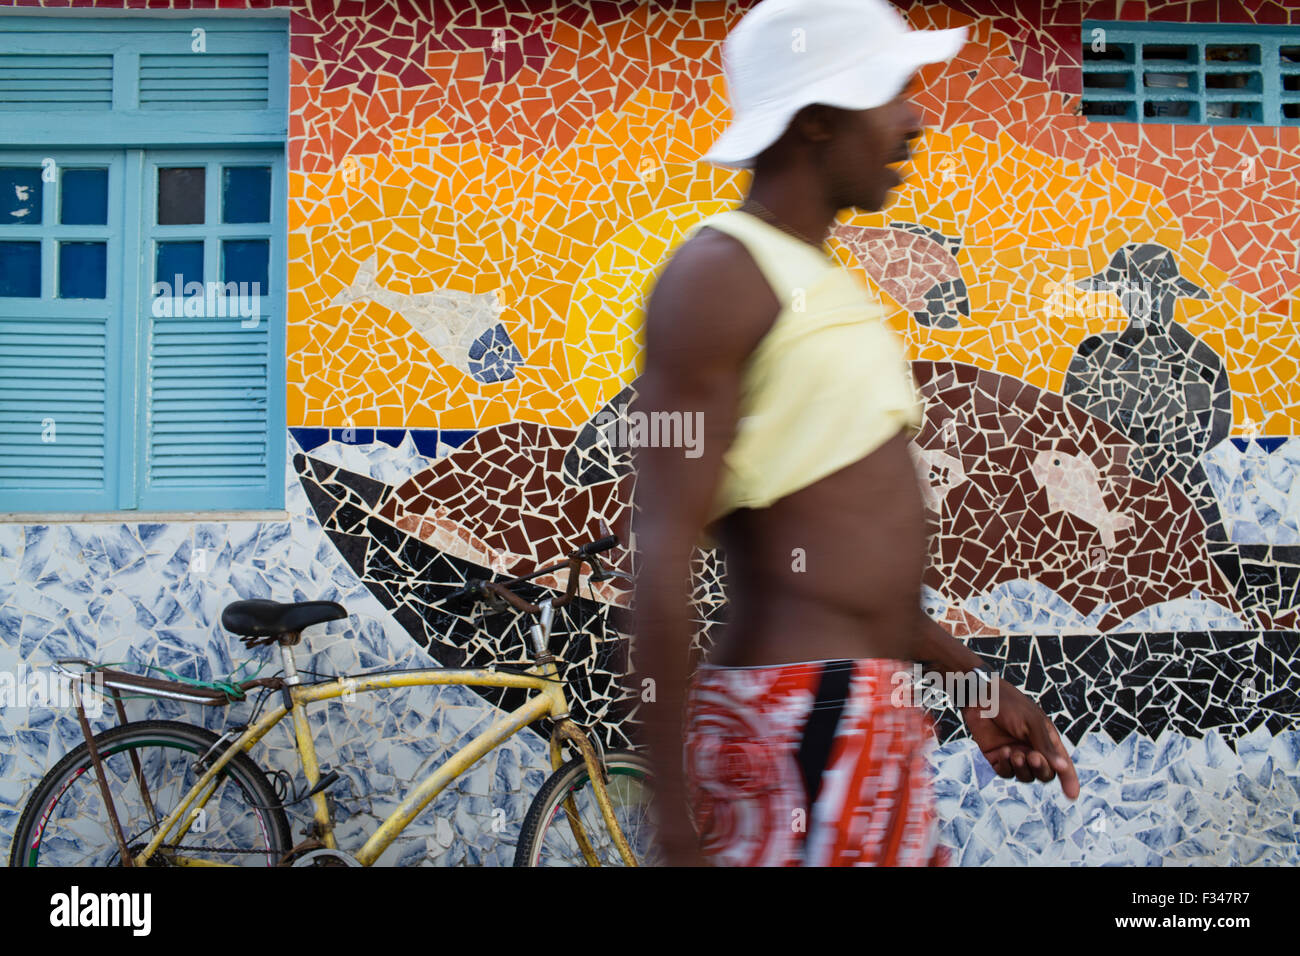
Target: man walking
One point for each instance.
(796, 751)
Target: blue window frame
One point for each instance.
(117, 392)
(1204, 74)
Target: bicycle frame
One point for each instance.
(549, 701)
(542, 677)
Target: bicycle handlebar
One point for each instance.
(595, 547)
(479, 589)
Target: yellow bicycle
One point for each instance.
(165, 793)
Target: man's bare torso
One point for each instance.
(832, 570)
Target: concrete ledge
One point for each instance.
(137, 517)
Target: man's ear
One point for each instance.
(817, 122)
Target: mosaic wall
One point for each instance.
(479, 200)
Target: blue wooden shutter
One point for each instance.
(150, 413)
(56, 81)
(61, 368)
(213, 412)
(136, 80)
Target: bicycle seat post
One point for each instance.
(542, 632)
(290, 664)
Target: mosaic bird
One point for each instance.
(464, 328)
(1168, 392)
(1154, 381)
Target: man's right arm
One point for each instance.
(707, 312)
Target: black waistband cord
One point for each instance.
(819, 732)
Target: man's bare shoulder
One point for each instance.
(712, 296)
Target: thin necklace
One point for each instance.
(770, 218)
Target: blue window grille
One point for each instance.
(1212, 75)
(133, 152)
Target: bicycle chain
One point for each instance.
(207, 849)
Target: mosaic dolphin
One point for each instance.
(1001, 525)
(465, 329)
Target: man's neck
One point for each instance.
(796, 207)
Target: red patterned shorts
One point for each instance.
(810, 764)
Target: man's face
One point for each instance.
(868, 146)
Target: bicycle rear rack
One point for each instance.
(118, 681)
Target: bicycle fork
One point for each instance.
(567, 731)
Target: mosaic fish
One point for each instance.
(955, 619)
(464, 328)
(1029, 607)
(1073, 484)
(1191, 613)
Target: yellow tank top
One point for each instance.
(826, 386)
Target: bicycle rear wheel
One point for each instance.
(548, 837)
(66, 823)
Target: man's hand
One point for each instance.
(1019, 741)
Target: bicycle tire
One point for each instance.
(546, 839)
(60, 818)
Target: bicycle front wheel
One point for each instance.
(150, 766)
(554, 834)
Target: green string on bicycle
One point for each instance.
(228, 687)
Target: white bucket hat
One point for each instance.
(786, 54)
